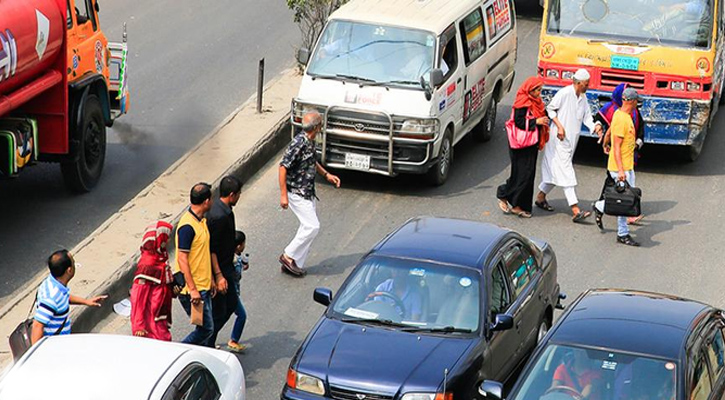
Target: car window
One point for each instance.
(194, 383)
(68, 15)
(500, 299)
(715, 350)
(499, 19)
(531, 265)
(448, 55)
(701, 386)
(517, 268)
(472, 36)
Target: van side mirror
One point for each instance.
(436, 77)
(503, 322)
(491, 390)
(323, 296)
(303, 56)
(98, 9)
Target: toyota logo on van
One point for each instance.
(359, 128)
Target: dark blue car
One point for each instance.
(430, 312)
(627, 345)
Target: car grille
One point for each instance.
(347, 394)
(612, 78)
(352, 121)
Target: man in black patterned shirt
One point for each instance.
(297, 172)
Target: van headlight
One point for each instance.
(299, 109)
(305, 383)
(419, 128)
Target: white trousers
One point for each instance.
(306, 212)
(569, 192)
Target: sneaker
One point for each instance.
(598, 217)
(627, 240)
(235, 347)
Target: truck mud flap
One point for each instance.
(18, 145)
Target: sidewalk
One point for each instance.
(240, 145)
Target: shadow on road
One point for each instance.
(335, 265)
(264, 351)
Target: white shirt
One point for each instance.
(572, 111)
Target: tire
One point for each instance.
(484, 130)
(721, 98)
(543, 330)
(438, 174)
(83, 174)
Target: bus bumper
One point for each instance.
(667, 121)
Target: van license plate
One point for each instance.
(357, 161)
(624, 62)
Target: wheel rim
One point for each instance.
(543, 330)
(445, 156)
(491, 116)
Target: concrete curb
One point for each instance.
(118, 285)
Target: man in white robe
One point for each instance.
(568, 110)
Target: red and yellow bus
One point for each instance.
(671, 51)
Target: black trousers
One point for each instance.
(222, 308)
(519, 188)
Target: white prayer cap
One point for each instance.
(582, 75)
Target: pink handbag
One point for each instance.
(520, 138)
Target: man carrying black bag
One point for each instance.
(621, 160)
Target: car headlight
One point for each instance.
(305, 383)
(416, 128)
(427, 396)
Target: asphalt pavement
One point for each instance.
(190, 65)
(681, 236)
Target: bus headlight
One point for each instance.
(567, 75)
(677, 85)
(552, 73)
(693, 87)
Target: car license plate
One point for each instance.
(625, 62)
(357, 161)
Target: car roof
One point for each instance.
(91, 366)
(430, 15)
(632, 321)
(445, 240)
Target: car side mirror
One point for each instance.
(436, 77)
(503, 322)
(303, 56)
(323, 296)
(491, 390)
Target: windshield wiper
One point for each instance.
(384, 322)
(444, 329)
(357, 78)
(394, 82)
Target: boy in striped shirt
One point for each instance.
(52, 306)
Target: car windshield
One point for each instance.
(665, 22)
(411, 295)
(573, 373)
(373, 53)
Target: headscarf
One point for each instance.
(536, 105)
(154, 255)
(607, 111)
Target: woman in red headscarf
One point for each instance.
(529, 111)
(152, 292)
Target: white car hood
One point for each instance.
(393, 100)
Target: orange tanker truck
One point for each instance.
(61, 84)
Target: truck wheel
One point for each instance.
(438, 174)
(83, 174)
(484, 130)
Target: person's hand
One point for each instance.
(195, 296)
(221, 285)
(140, 333)
(621, 176)
(333, 179)
(606, 149)
(542, 121)
(283, 201)
(96, 301)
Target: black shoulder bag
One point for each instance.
(20, 338)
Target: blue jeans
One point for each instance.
(241, 314)
(622, 227)
(201, 334)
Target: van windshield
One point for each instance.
(373, 53)
(654, 22)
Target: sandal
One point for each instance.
(235, 347)
(544, 205)
(504, 206)
(635, 220)
(521, 214)
(581, 216)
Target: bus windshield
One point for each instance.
(644, 22)
(373, 53)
